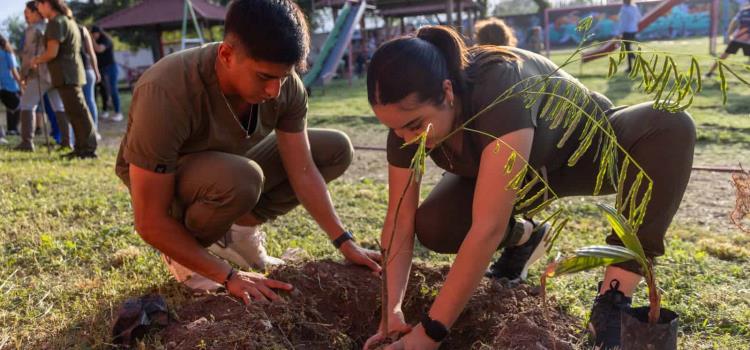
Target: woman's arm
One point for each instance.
(491, 211)
(89, 47)
(53, 47)
(401, 250)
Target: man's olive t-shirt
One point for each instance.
(178, 109)
(67, 67)
(461, 154)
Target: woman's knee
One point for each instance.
(436, 235)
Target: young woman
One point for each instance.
(88, 56)
(38, 83)
(10, 84)
(432, 79)
(67, 72)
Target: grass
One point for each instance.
(69, 255)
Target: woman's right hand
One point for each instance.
(252, 286)
(396, 325)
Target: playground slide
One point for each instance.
(335, 45)
(646, 20)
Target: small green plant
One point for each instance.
(603, 255)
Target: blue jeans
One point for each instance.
(110, 72)
(88, 94)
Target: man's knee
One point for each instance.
(333, 152)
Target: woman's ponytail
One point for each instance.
(452, 47)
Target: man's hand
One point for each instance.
(252, 286)
(360, 256)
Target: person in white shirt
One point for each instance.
(629, 18)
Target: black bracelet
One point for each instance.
(229, 277)
(434, 329)
(346, 236)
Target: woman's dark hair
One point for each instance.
(270, 30)
(5, 44)
(494, 31)
(31, 5)
(59, 6)
(419, 63)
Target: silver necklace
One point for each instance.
(234, 115)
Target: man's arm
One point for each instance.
(152, 194)
(311, 190)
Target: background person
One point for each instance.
(38, 83)
(108, 67)
(10, 84)
(494, 31)
(629, 16)
(63, 59)
(739, 28)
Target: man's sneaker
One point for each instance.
(117, 117)
(189, 278)
(3, 141)
(514, 262)
(604, 322)
(244, 246)
(104, 115)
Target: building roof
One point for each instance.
(166, 13)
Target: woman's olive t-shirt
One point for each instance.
(461, 153)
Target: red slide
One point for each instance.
(646, 20)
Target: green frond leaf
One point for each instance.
(511, 162)
(633, 194)
(612, 68)
(585, 24)
(624, 231)
(570, 129)
(517, 180)
(621, 176)
(723, 85)
(583, 146)
(527, 202)
(582, 263)
(607, 251)
(540, 207)
(526, 188)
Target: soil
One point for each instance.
(336, 306)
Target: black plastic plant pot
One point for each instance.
(637, 334)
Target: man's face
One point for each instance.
(255, 81)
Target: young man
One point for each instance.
(740, 37)
(629, 18)
(202, 167)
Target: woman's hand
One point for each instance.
(417, 339)
(396, 325)
(252, 286)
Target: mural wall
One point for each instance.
(689, 19)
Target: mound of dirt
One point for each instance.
(336, 306)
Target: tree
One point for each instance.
(15, 26)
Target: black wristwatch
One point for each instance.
(346, 236)
(434, 329)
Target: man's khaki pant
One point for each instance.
(214, 189)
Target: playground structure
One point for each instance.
(347, 13)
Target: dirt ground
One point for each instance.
(335, 306)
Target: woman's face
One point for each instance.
(409, 117)
(31, 16)
(45, 9)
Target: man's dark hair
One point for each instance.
(270, 30)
